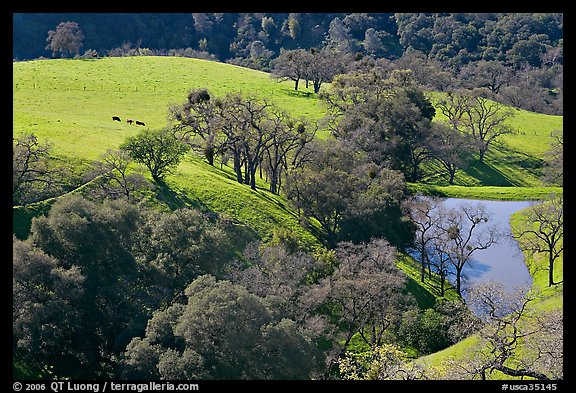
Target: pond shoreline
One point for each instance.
(494, 193)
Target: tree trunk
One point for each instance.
(452, 174)
(317, 86)
(209, 154)
(521, 372)
(422, 260)
(459, 282)
(246, 173)
(550, 270)
(482, 153)
(238, 167)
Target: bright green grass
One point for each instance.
(71, 102)
(486, 192)
(425, 292)
(197, 184)
(513, 160)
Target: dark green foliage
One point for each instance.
(442, 48)
(131, 262)
(97, 239)
(455, 37)
(352, 199)
(46, 302)
(180, 246)
(383, 113)
(433, 329)
(222, 332)
(159, 150)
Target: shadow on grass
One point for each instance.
(423, 297)
(176, 199)
(505, 167)
(488, 175)
(239, 233)
(265, 195)
(300, 93)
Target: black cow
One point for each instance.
(129, 121)
(116, 118)
(139, 123)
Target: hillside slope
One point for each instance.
(70, 104)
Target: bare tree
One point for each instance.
(322, 67)
(292, 65)
(67, 38)
(450, 148)
(194, 120)
(366, 289)
(516, 339)
(30, 170)
(423, 212)
(553, 171)
(289, 139)
(485, 120)
(281, 278)
(482, 118)
(462, 235)
(118, 180)
(542, 231)
(492, 75)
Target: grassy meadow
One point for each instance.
(70, 104)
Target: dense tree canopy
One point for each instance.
(159, 150)
(221, 332)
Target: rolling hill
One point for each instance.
(70, 104)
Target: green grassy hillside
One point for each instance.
(70, 104)
(512, 167)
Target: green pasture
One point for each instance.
(496, 193)
(71, 102)
(513, 160)
(197, 184)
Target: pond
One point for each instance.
(503, 261)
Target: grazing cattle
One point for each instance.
(116, 118)
(130, 121)
(139, 123)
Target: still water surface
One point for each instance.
(503, 261)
